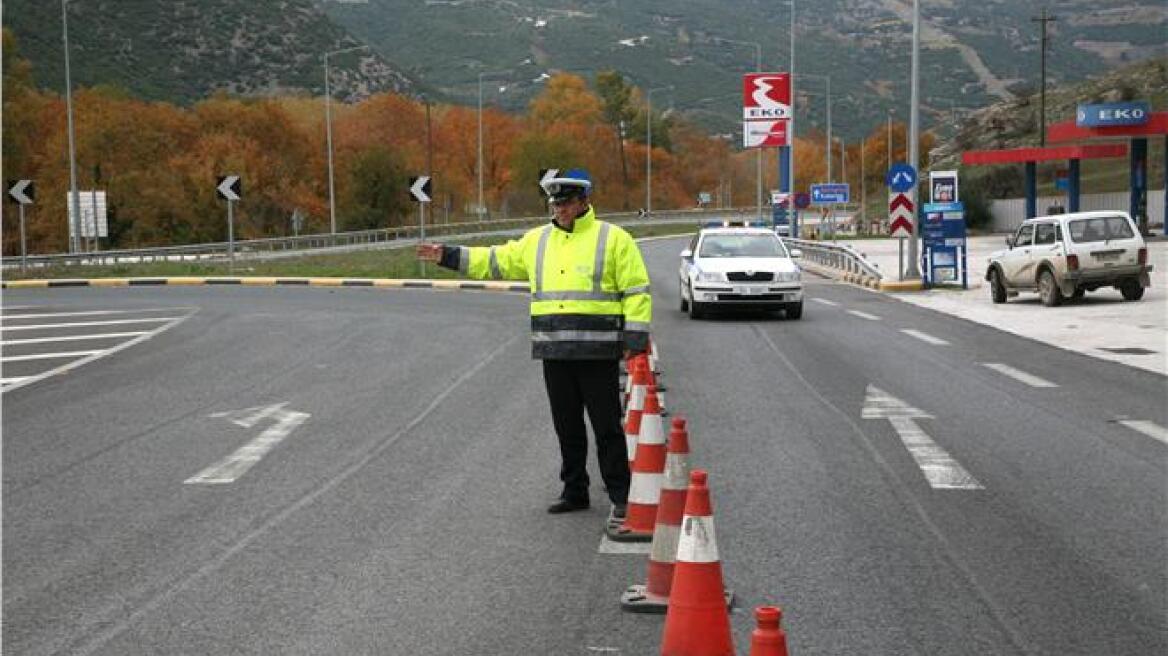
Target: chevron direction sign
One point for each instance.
(900, 215)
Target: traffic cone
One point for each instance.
(641, 380)
(645, 484)
(653, 597)
(768, 639)
(697, 622)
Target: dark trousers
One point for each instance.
(574, 386)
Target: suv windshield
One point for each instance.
(742, 246)
(1100, 229)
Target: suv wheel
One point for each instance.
(684, 303)
(1131, 289)
(794, 310)
(1048, 289)
(997, 288)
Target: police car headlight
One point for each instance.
(711, 276)
(787, 276)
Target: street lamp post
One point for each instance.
(328, 127)
(827, 149)
(649, 146)
(479, 161)
(74, 196)
(758, 163)
(912, 270)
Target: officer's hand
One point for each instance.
(429, 252)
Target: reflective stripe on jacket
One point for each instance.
(589, 287)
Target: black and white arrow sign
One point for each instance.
(420, 188)
(21, 191)
(230, 187)
(547, 174)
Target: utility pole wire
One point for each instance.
(1043, 20)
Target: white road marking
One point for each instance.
(71, 338)
(1151, 429)
(246, 457)
(925, 337)
(864, 315)
(49, 356)
(14, 379)
(1019, 375)
(825, 302)
(608, 546)
(110, 351)
(80, 324)
(49, 315)
(940, 469)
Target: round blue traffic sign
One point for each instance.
(802, 200)
(901, 177)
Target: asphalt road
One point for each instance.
(404, 513)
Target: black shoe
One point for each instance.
(619, 510)
(568, 505)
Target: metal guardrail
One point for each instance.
(835, 256)
(274, 247)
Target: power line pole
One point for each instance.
(1043, 20)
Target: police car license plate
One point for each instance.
(749, 291)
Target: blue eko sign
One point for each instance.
(1112, 114)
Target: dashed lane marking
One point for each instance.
(824, 301)
(1151, 429)
(864, 315)
(925, 337)
(1019, 375)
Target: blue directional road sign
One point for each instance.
(827, 194)
(901, 177)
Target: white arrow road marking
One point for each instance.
(939, 468)
(1019, 375)
(864, 315)
(925, 337)
(825, 302)
(1151, 429)
(246, 457)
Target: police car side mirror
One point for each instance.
(686, 254)
(796, 253)
(1010, 241)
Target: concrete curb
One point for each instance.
(390, 283)
(902, 285)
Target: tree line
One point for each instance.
(158, 162)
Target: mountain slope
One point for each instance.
(184, 50)
(974, 51)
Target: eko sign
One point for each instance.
(766, 109)
(1112, 114)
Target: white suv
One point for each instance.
(1068, 255)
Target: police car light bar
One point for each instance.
(735, 224)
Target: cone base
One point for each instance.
(637, 599)
(617, 533)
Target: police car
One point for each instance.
(739, 266)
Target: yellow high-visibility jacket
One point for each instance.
(589, 287)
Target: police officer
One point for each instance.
(590, 305)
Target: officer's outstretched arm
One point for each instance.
(501, 262)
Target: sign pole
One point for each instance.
(900, 258)
(231, 235)
(422, 231)
(23, 249)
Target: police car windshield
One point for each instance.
(756, 245)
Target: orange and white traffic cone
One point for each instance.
(768, 638)
(645, 483)
(698, 621)
(653, 597)
(641, 380)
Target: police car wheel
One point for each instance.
(684, 305)
(695, 308)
